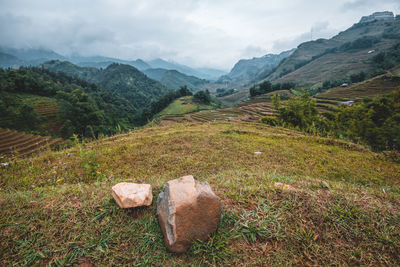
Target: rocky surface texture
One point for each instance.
(187, 210)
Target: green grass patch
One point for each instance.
(184, 105)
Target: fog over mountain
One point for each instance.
(195, 33)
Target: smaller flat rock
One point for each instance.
(131, 195)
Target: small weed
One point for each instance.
(260, 224)
(305, 237)
(90, 165)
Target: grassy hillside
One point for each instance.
(381, 85)
(185, 105)
(337, 58)
(235, 98)
(304, 201)
(338, 65)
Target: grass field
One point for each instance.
(184, 105)
(304, 201)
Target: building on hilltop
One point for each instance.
(386, 15)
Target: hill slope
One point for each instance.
(104, 62)
(380, 85)
(348, 52)
(35, 99)
(7, 60)
(31, 56)
(202, 73)
(255, 68)
(14, 143)
(303, 201)
(124, 80)
(173, 79)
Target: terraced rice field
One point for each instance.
(327, 105)
(249, 110)
(14, 143)
(46, 107)
(204, 116)
(380, 85)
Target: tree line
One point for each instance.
(268, 87)
(85, 108)
(373, 121)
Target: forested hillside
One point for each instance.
(37, 100)
(173, 79)
(124, 80)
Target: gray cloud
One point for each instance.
(253, 51)
(213, 33)
(368, 4)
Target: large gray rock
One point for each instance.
(130, 195)
(187, 210)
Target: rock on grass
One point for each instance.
(187, 210)
(131, 195)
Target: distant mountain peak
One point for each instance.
(255, 68)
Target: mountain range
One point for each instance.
(255, 68)
(308, 65)
(11, 57)
(174, 79)
(347, 53)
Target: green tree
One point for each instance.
(202, 97)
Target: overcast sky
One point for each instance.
(209, 33)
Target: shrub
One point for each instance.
(361, 43)
(359, 77)
(267, 87)
(202, 97)
(273, 121)
(375, 122)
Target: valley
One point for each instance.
(301, 148)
